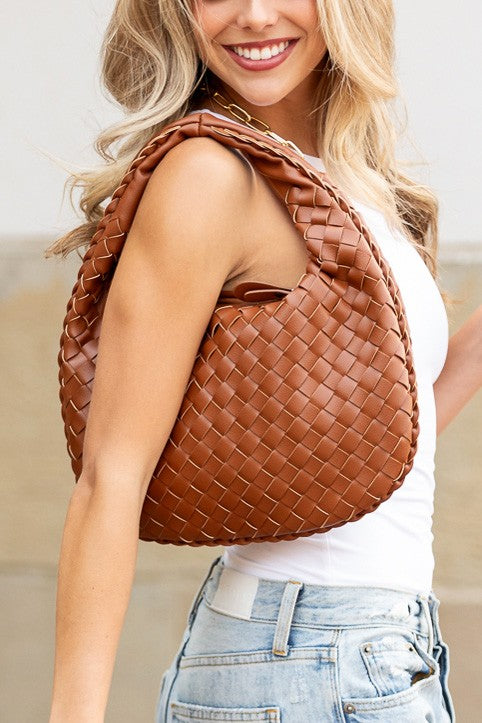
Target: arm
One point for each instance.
(176, 259)
(461, 376)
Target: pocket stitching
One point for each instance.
(392, 699)
(194, 711)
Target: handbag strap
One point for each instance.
(332, 229)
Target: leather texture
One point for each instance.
(300, 413)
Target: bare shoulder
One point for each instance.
(208, 160)
(201, 170)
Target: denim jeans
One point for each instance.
(268, 650)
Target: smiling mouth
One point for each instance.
(261, 50)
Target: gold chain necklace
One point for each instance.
(255, 123)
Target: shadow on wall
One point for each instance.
(37, 482)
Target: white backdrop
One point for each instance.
(52, 100)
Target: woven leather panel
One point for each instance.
(300, 413)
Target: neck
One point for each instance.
(289, 118)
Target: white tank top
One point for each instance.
(392, 546)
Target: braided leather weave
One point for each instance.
(300, 413)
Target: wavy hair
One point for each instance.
(151, 66)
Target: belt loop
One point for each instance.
(285, 616)
(425, 607)
(434, 603)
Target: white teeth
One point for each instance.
(260, 53)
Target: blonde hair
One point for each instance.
(151, 66)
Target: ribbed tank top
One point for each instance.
(392, 546)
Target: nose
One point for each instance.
(257, 14)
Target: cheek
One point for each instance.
(206, 28)
(306, 14)
(210, 16)
(310, 11)
(310, 22)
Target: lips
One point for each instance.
(260, 48)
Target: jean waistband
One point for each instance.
(292, 602)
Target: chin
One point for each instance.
(261, 96)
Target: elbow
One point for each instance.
(112, 487)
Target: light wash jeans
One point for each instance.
(265, 650)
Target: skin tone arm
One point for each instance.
(176, 259)
(461, 376)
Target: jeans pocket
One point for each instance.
(403, 677)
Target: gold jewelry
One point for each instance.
(254, 123)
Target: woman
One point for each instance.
(336, 626)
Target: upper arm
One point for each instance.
(185, 241)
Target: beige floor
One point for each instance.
(37, 482)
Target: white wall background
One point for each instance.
(51, 99)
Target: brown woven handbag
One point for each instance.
(300, 413)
